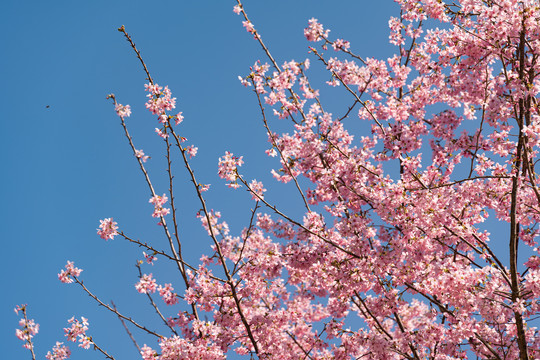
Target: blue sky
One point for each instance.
(66, 163)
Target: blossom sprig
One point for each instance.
(59, 352)
(217, 226)
(147, 353)
(315, 31)
(159, 99)
(161, 133)
(158, 202)
(257, 190)
(191, 150)
(249, 26)
(150, 258)
(140, 155)
(107, 229)
(77, 332)
(146, 285)
(66, 276)
(28, 328)
(341, 44)
(122, 110)
(227, 168)
(203, 187)
(167, 294)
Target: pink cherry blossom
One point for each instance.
(107, 229)
(249, 26)
(161, 133)
(160, 99)
(158, 202)
(315, 31)
(140, 154)
(204, 187)
(147, 353)
(66, 275)
(257, 189)
(192, 150)
(123, 110)
(146, 284)
(244, 81)
(59, 352)
(167, 294)
(227, 168)
(149, 258)
(28, 328)
(178, 118)
(77, 332)
(341, 44)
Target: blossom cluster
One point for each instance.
(59, 352)
(146, 285)
(167, 294)
(159, 99)
(107, 229)
(66, 276)
(158, 202)
(140, 155)
(149, 258)
(77, 332)
(257, 190)
(28, 329)
(315, 31)
(227, 166)
(123, 110)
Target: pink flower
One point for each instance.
(204, 187)
(161, 133)
(28, 328)
(146, 284)
(249, 26)
(315, 31)
(533, 262)
(123, 110)
(158, 202)
(163, 118)
(237, 9)
(257, 189)
(179, 118)
(147, 353)
(271, 152)
(77, 332)
(341, 44)
(244, 81)
(149, 258)
(19, 308)
(192, 150)
(71, 271)
(227, 168)
(107, 229)
(60, 352)
(153, 89)
(140, 154)
(167, 294)
(159, 101)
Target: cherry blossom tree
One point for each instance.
(393, 257)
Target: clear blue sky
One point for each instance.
(66, 163)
